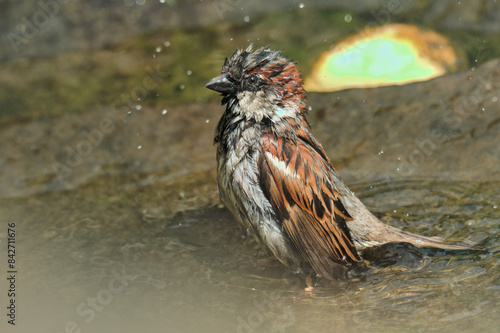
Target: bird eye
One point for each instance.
(251, 83)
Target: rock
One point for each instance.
(446, 128)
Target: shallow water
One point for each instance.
(119, 228)
(118, 263)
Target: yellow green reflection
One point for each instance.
(394, 54)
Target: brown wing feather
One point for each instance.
(296, 179)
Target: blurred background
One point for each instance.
(108, 168)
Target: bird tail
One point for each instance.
(367, 230)
(395, 235)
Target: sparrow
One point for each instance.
(276, 178)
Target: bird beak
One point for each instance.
(221, 84)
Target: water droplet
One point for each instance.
(207, 121)
(139, 147)
(231, 39)
(158, 49)
(138, 107)
(348, 18)
(189, 72)
(164, 111)
(381, 152)
(246, 18)
(301, 5)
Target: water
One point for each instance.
(119, 263)
(108, 172)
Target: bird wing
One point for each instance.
(296, 178)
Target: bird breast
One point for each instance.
(240, 191)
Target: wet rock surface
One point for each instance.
(447, 128)
(86, 56)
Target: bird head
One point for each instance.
(260, 84)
